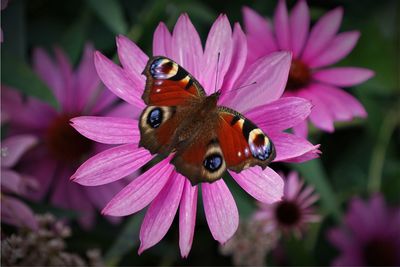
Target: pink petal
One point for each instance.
(69, 195)
(111, 165)
(289, 146)
(260, 38)
(141, 191)
(339, 109)
(29, 115)
(68, 102)
(292, 186)
(162, 41)
(15, 212)
(115, 78)
(301, 129)
(322, 34)
(281, 114)
(264, 185)
(102, 101)
(187, 218)
(299, 25)
(219, 41)
(270, 74)
(220, 209)
(281, 23)
(86, 78)
(42, 167)
(49, 72)
(320, 115)
(343, 76)
(124, 110)
(237, 62)
(10, 181)
(186, 45)
(347, 99)
(100, 195)
(161, 212)
(338, 48)
(340, 239)
(14, 147)
(132, 59)
(107, 130)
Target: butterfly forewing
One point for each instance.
(168, 84)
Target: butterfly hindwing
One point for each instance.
(157, 125)
(201, 161)
(242, 142)
(168, 84)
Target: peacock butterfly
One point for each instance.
(206, 138)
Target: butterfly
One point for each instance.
(206, 139)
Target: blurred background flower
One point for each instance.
(61, 149)
(313, 51)
(13, 210)
(294, 212)
(370, 234)
(359, 159)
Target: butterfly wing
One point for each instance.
(170, 91)
(243, 144)
(168, 84)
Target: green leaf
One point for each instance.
(126, 240)
(314, 173)
(18, 74)
(73, 40)
(110, 12)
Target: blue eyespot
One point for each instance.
(155, 118)
(261, 152)
(213, 162)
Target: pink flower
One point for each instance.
(293, 212)
(313, 51)
(61, 149)
(161, 187)
(13, 210)
(370, 235)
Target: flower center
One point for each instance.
(380, 252)
(64, 142)
(287, 213)
(299, 75)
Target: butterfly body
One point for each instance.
(206, 138)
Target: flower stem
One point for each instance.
(379, 152)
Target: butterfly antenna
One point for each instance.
(241, 87)
(216, 75)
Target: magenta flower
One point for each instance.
(61, 148)
(293, 212)
(313, 51)
(370, 235)
(13, 210)
(163, 189)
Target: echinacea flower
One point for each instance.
(313, 51)
(61, 149)
(161, 186)
(13, 210)
(370, 235)
(293, 212)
